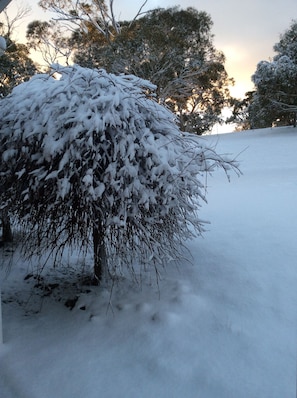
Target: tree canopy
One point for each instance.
(172, 48)
(275, 97)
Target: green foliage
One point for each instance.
(172, 48)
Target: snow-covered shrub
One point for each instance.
(91, 159)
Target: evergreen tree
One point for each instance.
(172, 48)
(275, 98)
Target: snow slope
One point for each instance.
(224, 326)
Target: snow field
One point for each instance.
(223, 326)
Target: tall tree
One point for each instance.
(173, 48)
(93, 159)
(287, 46)
(52, 38)
(275, 97)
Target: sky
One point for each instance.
(244, 31)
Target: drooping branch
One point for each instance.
(92, 160)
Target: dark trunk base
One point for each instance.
(6, 230)
(99, 254)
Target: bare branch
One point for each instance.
(11, 24)
(115, 24)
(102, 19)
(139, 12)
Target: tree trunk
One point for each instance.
(6, 229)
(1, 331)
(99, 254)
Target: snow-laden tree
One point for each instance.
(90, 159)
(275, 97)
(287, 44)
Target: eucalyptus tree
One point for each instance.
(172, 48)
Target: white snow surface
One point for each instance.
(224, 326)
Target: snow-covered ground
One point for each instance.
(221, 327)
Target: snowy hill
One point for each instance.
(223, 326)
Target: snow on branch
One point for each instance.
(95, 151)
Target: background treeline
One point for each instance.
(172, 48)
